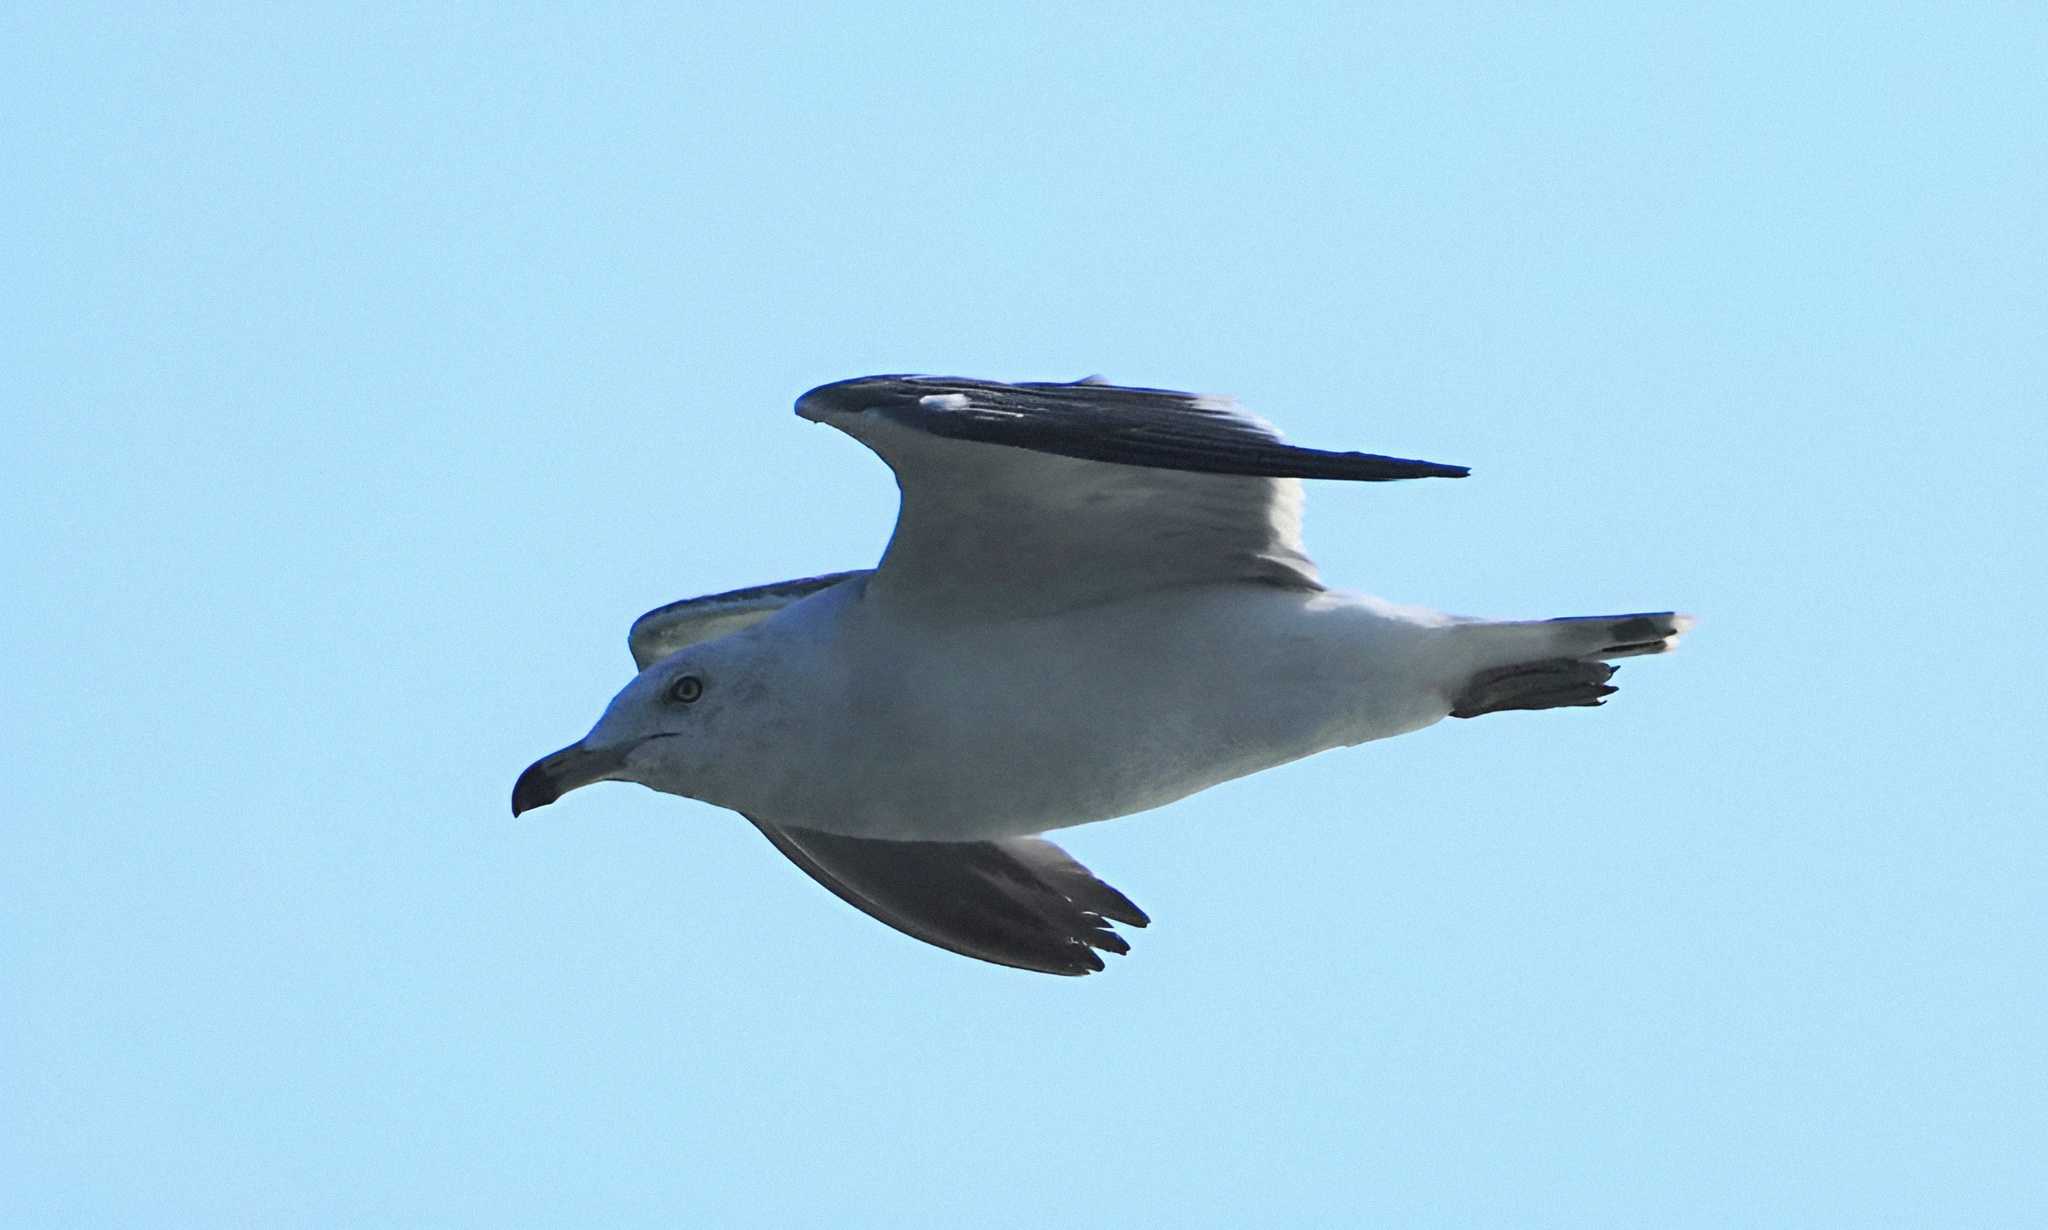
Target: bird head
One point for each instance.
(663, 730)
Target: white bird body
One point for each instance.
(968, 731)
(1096, 601)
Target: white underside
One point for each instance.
(887, 728)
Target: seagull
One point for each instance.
(1096, 601)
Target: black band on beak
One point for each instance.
(534, 789)
(551, 777)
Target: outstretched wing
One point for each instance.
(665, 629)
(1021, 901)
(1026, 498)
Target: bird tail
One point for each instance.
(1556, 663)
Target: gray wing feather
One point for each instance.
(665, 629)
(1021, 901)
(1025, 499)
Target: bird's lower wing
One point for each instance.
(1021, 901)
(665, 629)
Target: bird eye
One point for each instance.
(686, 689)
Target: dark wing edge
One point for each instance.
(1021, 902)
(665, 629)
(1156, 428)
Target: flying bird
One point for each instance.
(1096, 601)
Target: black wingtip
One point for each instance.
(1378, 466)
(1363, 467)
(1123, 424)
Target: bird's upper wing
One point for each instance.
(1021, 901)
(665, 629)
(1026, 498)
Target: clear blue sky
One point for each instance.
(366, 375)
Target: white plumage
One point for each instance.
(1096, 601)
